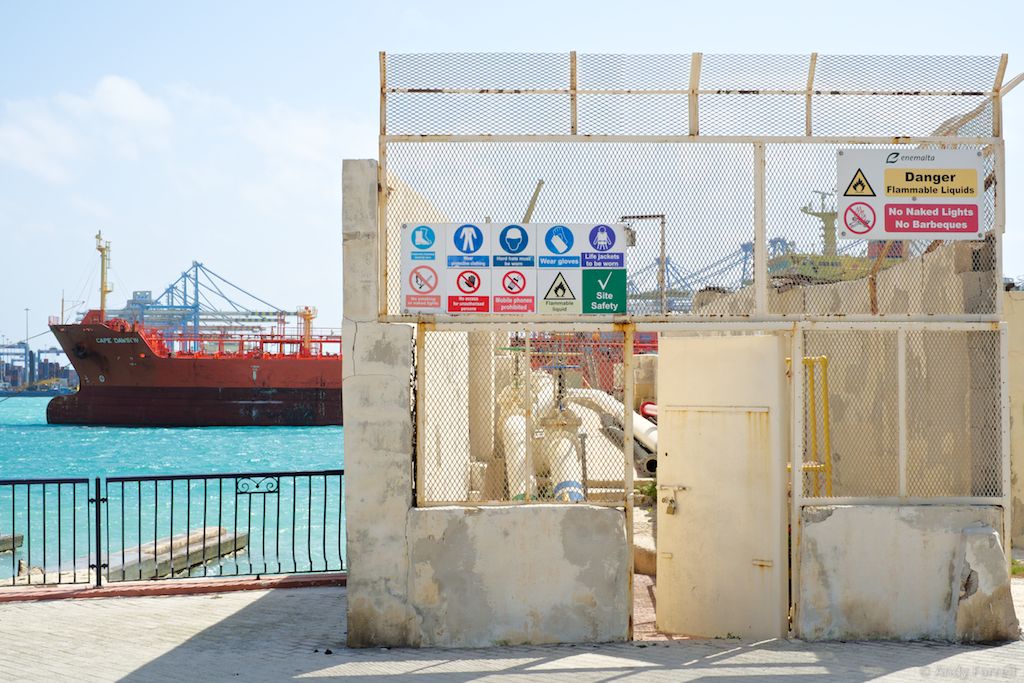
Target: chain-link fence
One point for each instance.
(724, 165)
(510, 416)
(911, 413)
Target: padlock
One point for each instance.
(670, 505)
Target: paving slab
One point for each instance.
(299, 633)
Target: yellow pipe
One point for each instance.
(812, 401)
(826, 434)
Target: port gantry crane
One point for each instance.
(201, 302)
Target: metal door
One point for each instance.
(722, 561)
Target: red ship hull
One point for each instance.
(125, 381)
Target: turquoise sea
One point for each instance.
(293, 524)
(30, 448)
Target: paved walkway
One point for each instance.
(274, 635)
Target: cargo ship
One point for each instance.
(131, 374)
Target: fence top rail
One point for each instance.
(224, 475)
(691, 73)
(47, 480)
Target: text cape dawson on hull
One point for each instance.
(128, 376)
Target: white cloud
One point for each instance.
(46, 137)
(33, 139)
(119, 100)
(178, 173)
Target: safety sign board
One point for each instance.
(859, 186)
(468, 291)
(859, 218)
(467, 247)
(515, 246)
(514, 290)
(514, 268)
(560, 248)
(561, 290)
(604, 291)
(896, 194)
(422, 262)
(423, 241)
(600, 252)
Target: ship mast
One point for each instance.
(307, 313)
(104, 249)
(828, 221)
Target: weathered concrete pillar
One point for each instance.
(1013, 313)
(378, 430)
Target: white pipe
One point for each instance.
(566, 472)
(644, 431)
(513, 437)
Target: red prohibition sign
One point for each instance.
(514, 282)
(468, 281)
(423, 279)
(859, 218)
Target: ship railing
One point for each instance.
(96, 531)
(244, 345)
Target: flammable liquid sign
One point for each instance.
(898, 194)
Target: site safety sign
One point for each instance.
(509, 268)
(900, 194)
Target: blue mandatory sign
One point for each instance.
(602, 237)
(423, 237)
(558, 239)
(513, 239)
(468, 239)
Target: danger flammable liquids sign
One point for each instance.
(900, 194)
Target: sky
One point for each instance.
(215, 132)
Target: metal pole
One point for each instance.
(1004, 430)
(810, 90)
(572, 92)
(421, 409)
(796, 458)
(98, 556)
(528, 414)
(760, 234)
(901, 399)
(628, 398)
(661, 271)
(382, 194)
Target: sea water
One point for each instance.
(293, 523)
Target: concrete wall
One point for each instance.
(458, 576)
(1013, 313)
(955, 278)
(511, 575)
(906, 573)
(378, 430)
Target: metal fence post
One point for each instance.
(97, 518)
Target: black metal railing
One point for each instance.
(46, 531)
(167, 527)
(224, 524)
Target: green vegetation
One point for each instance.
(1017, 568)
(649, 489)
